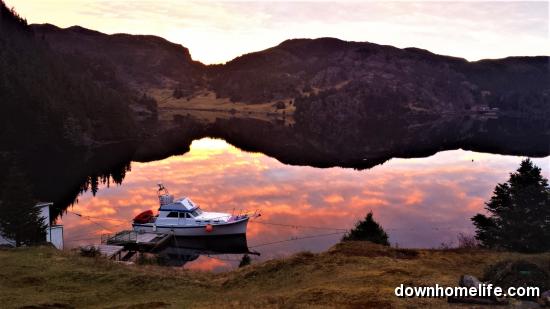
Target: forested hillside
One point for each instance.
(331, 79)
(51, 101)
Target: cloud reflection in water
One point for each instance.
(420, 202)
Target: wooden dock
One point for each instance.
(132, 240)
(111, 251)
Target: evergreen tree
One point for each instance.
(20, 220)
(519, 213)
(368, 230)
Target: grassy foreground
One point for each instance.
(350, 275)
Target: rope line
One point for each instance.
(295, 238)
(296, 226)
(98, 218)
(437, 228)
(89, 219)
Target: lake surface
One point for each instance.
(420, 202)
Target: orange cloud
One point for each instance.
(333, 199)
(414, 198)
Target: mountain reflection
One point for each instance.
(421, 202)
(274, 167)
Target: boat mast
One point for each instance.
(162, 190)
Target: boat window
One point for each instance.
(196, 212)
(185, 215)
(172, 214)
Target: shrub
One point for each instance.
(368, 230)
(245, 260)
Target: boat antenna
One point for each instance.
(162, 189)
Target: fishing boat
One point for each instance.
(182, 217)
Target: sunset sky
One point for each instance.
(216, 32)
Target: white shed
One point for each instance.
(54, 233)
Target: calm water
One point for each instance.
(420, 202)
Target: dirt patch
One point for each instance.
(380, 304)
(49, 306)
(149, 305)
(397, 272)
(31, 281)
(301, 258)
(146, 305)
(342, 299)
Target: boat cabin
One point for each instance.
(185, 212)
(182, 208)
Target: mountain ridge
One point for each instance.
(78, 28)
(361, 76)
(325, 80)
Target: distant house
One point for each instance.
(54, 233)
(484, 109)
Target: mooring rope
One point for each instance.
(99, 218)
(89, 219)
(295, 238)
(296, 226)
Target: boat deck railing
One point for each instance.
(120, 237)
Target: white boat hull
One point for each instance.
(226, 228)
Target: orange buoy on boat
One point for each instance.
(209, 228)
